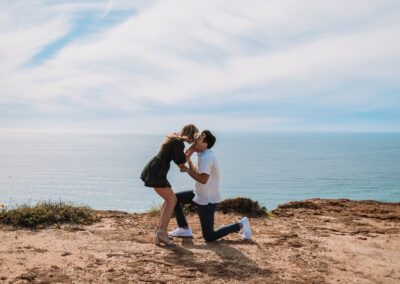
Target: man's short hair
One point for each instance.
(209, 138)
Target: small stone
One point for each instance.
(27, 276)
(3, 278)
(296, 244)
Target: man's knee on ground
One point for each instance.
(209, 237)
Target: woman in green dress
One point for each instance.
(155, 172)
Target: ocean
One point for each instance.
(103, 169)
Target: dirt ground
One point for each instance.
(310, 241)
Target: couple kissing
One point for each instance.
(206, 194)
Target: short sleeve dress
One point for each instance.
(155, 172)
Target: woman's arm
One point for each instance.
(180, 156)
(189, 152)
(188, 160)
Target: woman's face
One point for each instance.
(189, 140)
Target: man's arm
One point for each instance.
(191, 166)
(202, 178)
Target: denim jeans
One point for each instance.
(206, 214)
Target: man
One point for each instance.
(206, 195)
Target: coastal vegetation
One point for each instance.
(154, 210)
(46, 213)
(240, 205)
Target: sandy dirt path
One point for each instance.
(311, 241)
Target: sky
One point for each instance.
(153, 66)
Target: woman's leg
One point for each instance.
(168, 207)
(161, 212)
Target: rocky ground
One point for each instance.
(310, 241)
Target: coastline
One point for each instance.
(309, 241)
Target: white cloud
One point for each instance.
(172, 52)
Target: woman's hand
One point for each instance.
(189, 152)
(184, 169)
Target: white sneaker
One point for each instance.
(245, 231)
(181, 232)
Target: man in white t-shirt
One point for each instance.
(206, 195)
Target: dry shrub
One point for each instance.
(240, 205)
(47, 213)
(154, 210)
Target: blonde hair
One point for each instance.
(187, 133)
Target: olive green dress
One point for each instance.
(155, 172)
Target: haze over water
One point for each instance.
(103, 170)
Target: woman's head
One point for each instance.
(189, 131)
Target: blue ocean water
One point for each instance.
(103, 169)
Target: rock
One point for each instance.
(27, 276)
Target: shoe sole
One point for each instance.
(184, 237)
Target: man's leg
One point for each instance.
(206, 214)
(183, 197)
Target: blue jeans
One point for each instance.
(206, 214)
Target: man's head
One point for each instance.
(205, 141)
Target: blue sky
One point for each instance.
(152, 66)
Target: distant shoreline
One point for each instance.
(163, 133)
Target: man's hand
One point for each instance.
(184, 169)
(202, 178)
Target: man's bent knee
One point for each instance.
(210, 237)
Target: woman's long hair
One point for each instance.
(187, 133)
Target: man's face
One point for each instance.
(200, 145)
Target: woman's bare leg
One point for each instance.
(168, 207)
(161, 212)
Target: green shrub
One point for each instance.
(46, 213)
(244, 206)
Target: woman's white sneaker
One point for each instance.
(181, 232)
(245, 231)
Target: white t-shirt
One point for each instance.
(209, 192)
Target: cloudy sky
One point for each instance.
(152, 66)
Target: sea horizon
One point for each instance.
(101, 168)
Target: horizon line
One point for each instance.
(158, 132)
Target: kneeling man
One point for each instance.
(206, 195)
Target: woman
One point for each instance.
(155, 172)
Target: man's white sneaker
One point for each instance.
(181, 232)
(245, 231)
